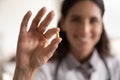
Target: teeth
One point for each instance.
(83, 39)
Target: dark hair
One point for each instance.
(103, 44)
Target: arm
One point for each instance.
(33, 49)
(21, 74)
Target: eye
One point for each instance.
(76, 19)
(93, 20)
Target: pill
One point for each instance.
(57, 35)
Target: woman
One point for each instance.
(83, 53)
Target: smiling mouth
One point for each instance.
(83, 39)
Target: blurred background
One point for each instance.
(12, 12)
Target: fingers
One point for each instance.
(46, 22)
(49, 34)
(53, 46)
(25, 22)
(37, 18)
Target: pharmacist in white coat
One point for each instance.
(80, 53)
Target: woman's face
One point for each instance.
(83, 27)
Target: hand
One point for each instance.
(33, 49)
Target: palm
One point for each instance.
(33, 49)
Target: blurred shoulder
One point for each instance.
(46, 72)
(113, 61)
(114, 65)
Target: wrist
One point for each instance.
(24, 74)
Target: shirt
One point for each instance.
(71, 69)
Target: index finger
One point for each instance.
(44, 24)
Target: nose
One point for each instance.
(84, 29)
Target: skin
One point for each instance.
(83, 28)
(33, 49)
